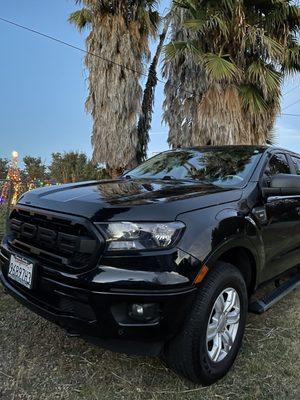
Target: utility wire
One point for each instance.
(291, 90)
(290, 105)
(289, 115)
(82, 50)
(113, 62)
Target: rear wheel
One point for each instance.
(209, 342)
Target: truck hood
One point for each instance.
(126, 199)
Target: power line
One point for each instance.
(288, 115)
(82, 50)
(111, 61)
(69, 45)
(292, 104)
(291, 90)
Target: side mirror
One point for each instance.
(124, 173)
(283, 185)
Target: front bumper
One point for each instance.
(99, 312)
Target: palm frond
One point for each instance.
(190, 5)
(272, 139)
(229, 5)
(220, 69)
(219, 23)
(154, 21)
(87, 3)
(273, 48)
(213, 22)
(149, 21)
(266, 77)
(287, 9)
(173, 48)
(252, 99)
(81, 18)
(176, 48)
(195, 25)
(291, 62)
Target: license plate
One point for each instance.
(21, 270)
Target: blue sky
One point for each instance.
(43, 86)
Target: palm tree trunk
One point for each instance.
(184, 88)
(145, 119)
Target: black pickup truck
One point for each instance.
(164, 260)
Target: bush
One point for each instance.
(74, 167)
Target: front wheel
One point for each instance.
(209, 342)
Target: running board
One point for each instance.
(260, 306)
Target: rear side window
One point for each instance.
(296, 162)
(278, 164)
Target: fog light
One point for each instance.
(144, 312)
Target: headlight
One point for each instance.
(141, 236)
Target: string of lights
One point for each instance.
(13, 186)
(12, 182)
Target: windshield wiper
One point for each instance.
(164, 178)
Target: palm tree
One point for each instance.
(120, 32)
(145, 119)
(185, 83)
(239, 52)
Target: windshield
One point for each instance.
(230, 166)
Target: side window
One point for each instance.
(278, 164)
(296, 162)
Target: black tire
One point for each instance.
(187, 353)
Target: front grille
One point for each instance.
(56, 241)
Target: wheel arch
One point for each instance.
(243, 258)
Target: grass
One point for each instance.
(38, 361)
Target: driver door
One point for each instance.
(281, 227)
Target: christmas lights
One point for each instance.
(13, 181)
(14, 186)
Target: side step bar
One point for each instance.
(259, 306)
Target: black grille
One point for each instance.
(59, 242)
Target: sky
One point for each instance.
(43, 86)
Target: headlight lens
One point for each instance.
(141, 236)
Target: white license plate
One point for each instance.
(21, 270)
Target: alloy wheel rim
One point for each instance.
(223, 325)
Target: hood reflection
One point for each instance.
(146, 191)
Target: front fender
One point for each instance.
(213, 231)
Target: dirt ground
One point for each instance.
(38, 361)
